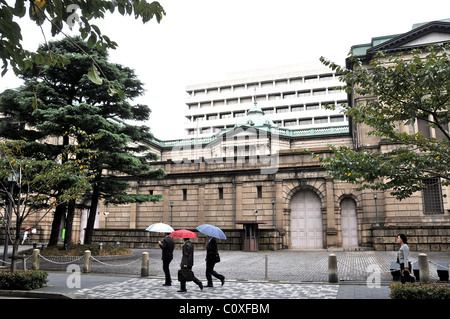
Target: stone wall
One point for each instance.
(136, 238)
(420, 238)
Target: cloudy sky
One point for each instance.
(204, 40)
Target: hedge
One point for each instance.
(419, 291)
(23, 280)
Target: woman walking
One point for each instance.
(212, 257)
(403, 258)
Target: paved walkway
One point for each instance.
(125, 287)
(282, 275)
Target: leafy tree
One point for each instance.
(30, 186)
(397, 90)
(58, 13)
(65, 97)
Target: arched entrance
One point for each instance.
(306, 221)
(349, 223)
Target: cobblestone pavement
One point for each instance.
(284, 274)
(124, 287)
(281, 266)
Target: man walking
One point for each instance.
(167, 246)
(187, 261)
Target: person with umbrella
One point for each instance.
(212, 253)
(167, 246)
(187, 259)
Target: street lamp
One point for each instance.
(273, 212)
(256, 214)
(171, 213)
(375, 196)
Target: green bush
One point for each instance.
(23, 280)
(419, 291)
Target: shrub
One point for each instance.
(419, 291)
(78, 250)
(23, 280)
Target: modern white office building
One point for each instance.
(292, 96)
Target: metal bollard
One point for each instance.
(424, 268)
(35, 259)
(87, 261)
(332, 269)
(145, 264)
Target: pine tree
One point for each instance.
(65, 98)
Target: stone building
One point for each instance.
(256, 180)
(258, 173)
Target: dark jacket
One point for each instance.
(211, 250)
(167, 246)
(187, 254)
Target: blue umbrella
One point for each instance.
(212, 231)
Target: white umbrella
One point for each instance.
(160, 228)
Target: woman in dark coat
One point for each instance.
(211, 259)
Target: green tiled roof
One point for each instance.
(282, 132)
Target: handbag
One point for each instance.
(185, 274)
(217, 258)
(406, 276)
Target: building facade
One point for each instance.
(254, 166)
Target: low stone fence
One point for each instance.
(423, 238)
(142, 239)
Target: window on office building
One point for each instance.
(304, 121)
(297, 108)
(220, 192)
(283, 109)
(432, 196)
(335, 119)
(290, 122)
(184, 194)
(312, 107)
(320, 120)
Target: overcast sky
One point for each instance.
(203, 40)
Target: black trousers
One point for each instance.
(166, 270)
(211, 272)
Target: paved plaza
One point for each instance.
(284, 274)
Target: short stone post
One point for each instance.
(266, 276)
(35, 259)
(424, 269)
(145, 264)
(332, 269)
(87, 261)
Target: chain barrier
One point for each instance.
(61, 263)
(121, 265)
(20, 259)
(360, 270)
(437, 265)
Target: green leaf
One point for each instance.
(94, 75)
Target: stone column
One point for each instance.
(331, 240)
(239, 212)
(201, 204)
(166, 205)
(279, 200)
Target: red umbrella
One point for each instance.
(183, 233)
